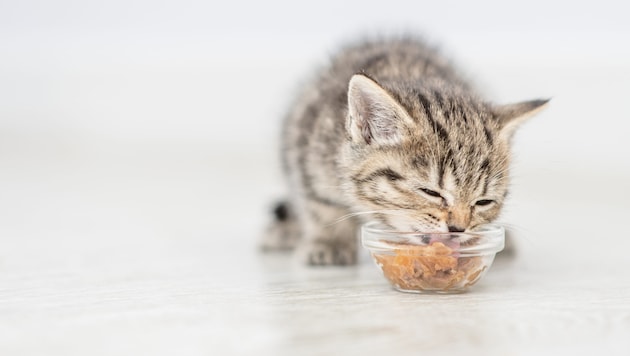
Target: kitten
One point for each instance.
(390, 132)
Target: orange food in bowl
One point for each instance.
(434, 267)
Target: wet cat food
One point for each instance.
(433, 267)
(433, 262)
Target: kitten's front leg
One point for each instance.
(328, 240)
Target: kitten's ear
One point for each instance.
(511, 116)
(374, 116)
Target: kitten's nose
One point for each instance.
(453, 228)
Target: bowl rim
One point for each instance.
(376, 237)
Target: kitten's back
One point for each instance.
(390, 60)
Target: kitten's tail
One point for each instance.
(282, 211)
(283, 231)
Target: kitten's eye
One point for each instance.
(484, 202)
(390, 174)
(431, 193)
(393, 177)
(386, 173)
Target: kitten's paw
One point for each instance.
(329, 252)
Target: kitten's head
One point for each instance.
(426, 157)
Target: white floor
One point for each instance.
(151, 250)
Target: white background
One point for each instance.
(211, 72)
(138, 139)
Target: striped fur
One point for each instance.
(390, 131)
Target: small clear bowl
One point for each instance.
(447, 262)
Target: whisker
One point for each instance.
(351, 215)
(522, 234)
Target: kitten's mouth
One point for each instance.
(452, 241)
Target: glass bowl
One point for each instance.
(448, 262)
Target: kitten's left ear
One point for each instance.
(374, 116)
(511, 116)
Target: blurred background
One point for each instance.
(150, 128)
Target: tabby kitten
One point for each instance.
(390, 132)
